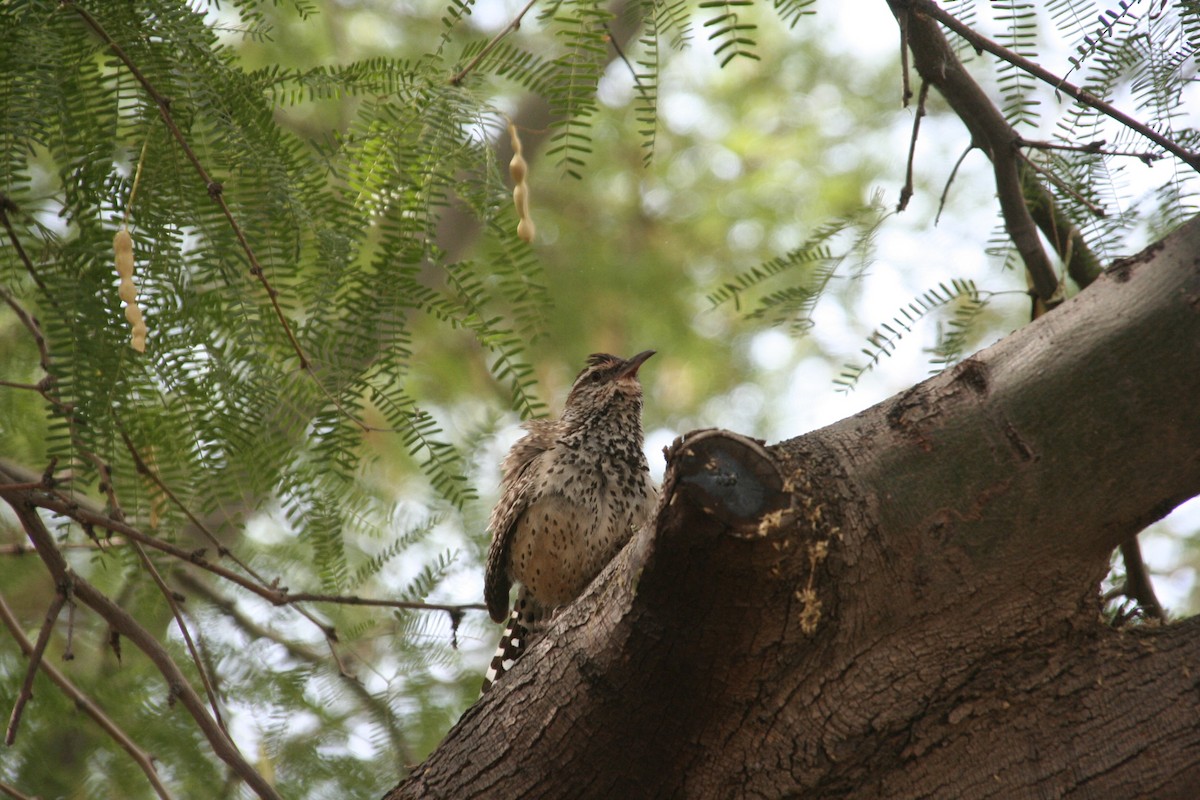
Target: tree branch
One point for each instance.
(84, 703)
(300, 652)
(907, 191)
(980, 42)
(35, 660)
(130, 629)
(6, 207)
(937, 63)
(83, 513)
(512, 26)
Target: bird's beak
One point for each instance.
(632, 365)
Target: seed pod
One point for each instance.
(123, 250)
(519, 169)
(526, 230)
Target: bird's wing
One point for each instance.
(520, 470)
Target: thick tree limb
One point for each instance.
(910, 610)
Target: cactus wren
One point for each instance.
(573, 491)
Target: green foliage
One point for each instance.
(581, 27)
(731, 33)
(1116, 48)
(968, 304)
(1018, 26)
(817, 261)
(348, 459)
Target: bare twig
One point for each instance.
(35, 659)
(130, 629)
(950, 181)
(191, 583)
(84, 703)
(205, 678)
(620, 51)
(37, 496)
(906, 83)
(13, 792)
(115, 511)
(1096, 147)
(495, 40)
(30, 324)
(906, 192)
(145, 470)
(22, 549)
(980, 42)
(351, 600)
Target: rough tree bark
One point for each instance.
(903, 604)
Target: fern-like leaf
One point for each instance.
(884, 339)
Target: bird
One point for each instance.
(573, 490)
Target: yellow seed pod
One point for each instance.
(123, 250)
(519, 169)
(526, 230)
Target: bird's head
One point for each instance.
(606, 379)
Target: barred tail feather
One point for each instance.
(512, 645)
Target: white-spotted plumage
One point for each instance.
(573, 491)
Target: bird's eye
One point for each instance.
(594, 377)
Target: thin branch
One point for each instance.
(7, 206)
(30, 324)
(35, 659)
(616, 46)
(1050, 176)
(215, 189)
(145, 470)
(950, 181)
(906, 82)
(495, 40)
(29, 387)
(121, 621)
(937, 63)
(22, 549)
(216, 192)
(84, 703)
(190, 583)
(1096, 147)
(22, 493)
(980, 42)
(205, 678)
(352, 600)
(15, 793)
(906, 192)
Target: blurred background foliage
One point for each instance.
(397, 264)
